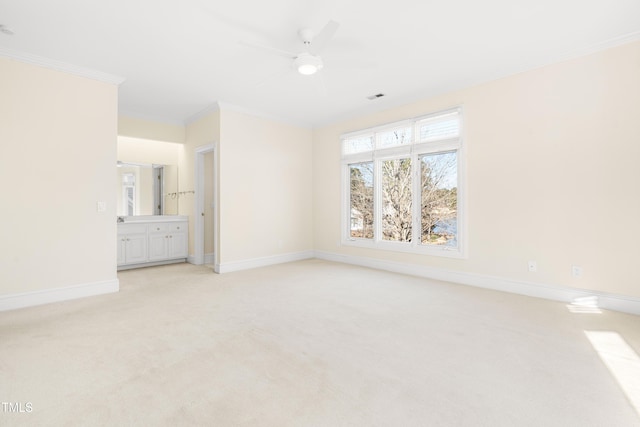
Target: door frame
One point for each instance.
(200, 205)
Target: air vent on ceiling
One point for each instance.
(376, 96)
(6, 30)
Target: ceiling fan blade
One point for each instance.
(270, 49)
(323, 37)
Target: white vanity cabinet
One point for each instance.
(152, 240)
(167, 241)
(132, 243)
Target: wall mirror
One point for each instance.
(147, 177)
(147, 189)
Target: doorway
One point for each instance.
(206, 208)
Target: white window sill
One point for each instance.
(439, 251)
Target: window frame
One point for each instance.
(413, 150)
(130, 203)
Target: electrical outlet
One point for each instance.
(533, 266)
(576, 271)
(101, 206)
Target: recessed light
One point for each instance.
(6, 30)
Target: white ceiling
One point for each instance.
(181, 57)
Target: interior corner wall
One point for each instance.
(203, 131)
(552, 175)
(209, 203)
(57, 154)
(265, 189)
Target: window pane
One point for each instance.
(396, 200)
(129, 187)
(358, 144)
(439, 176)
(391, 138)
(129, 194)
(441, 127)
(361, 200)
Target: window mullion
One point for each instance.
(416, 202)
(377, 199)
(433, 145)
(346, 201)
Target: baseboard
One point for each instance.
(623, 303)
(29, 299)
(151, 264)
(228, 267)
(208, 259)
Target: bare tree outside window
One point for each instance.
(361, 195)
(404, 188)
(439, 198)
(396, 200)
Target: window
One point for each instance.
(129, 193)
(361, 200)
(402, 186)
(396, 200)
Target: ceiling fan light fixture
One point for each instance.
(307, 64)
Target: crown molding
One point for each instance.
(604, 45)
(202, 113)
(61, 66)
(225, 106)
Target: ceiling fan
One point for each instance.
(307, 62)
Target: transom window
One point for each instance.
(402, 186)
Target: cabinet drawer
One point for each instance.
(180, 226)
(167, 227)
(158, 227)
(132, 229)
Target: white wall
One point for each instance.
(138, 150)
(57, 155)
(135, 127)
(552, 174)
(265, 188)
(202, 131)
(209, 169)
(263, 171)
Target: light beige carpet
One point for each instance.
(310, 343)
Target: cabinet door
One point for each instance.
(178, 245)
(158, 246)
(122, 250)
(135, 248)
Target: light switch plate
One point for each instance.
(101, 206)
